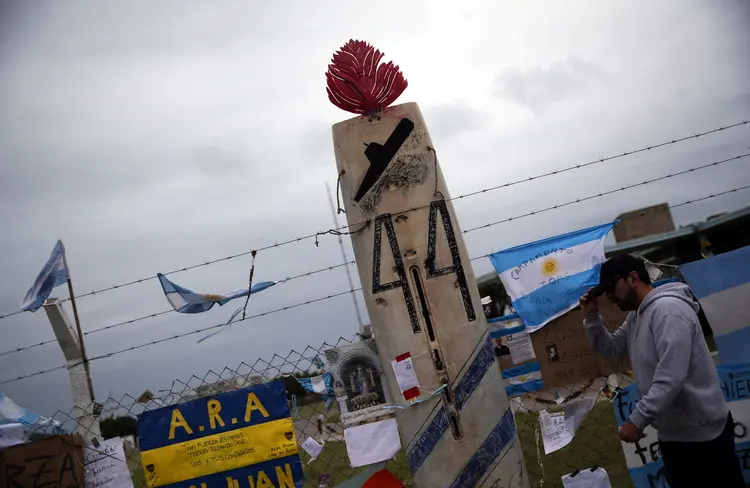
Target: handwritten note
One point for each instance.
(597, 478)
(555, 433)
(106, 465)
(312, 447)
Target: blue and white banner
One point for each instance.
(12, 413)
(643, 458)
(53, 274)
(722, 286)
(188, 301)
(320, 385)
(546, 278)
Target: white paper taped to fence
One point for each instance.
(576, 412)
(312, 447)
(597, 478)
(372, 443)
(11, 435)
(555, 432)
(106, 466)
(643, 457)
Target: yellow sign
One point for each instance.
(220, 452)
(243, 437)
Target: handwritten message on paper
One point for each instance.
(555, 433)
(106, 465)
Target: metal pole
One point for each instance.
(343, 254)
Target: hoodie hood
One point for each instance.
(672, 290)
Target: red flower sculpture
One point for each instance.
(358, 84)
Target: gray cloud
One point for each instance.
(213, 160)
(450, 120)
(538, 88)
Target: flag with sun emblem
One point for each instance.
(188, 301)
(546, 278)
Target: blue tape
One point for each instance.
(475, 374)
(500, 437)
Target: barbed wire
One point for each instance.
(509, 219)
(473, 229)
(184, 334)
(603, 194)
(164, 312)
(345, 292)
(339, 230)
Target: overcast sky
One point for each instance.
(154, 135)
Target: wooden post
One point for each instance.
(422, 299)
(84, 357)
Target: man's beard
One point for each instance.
(629, 304)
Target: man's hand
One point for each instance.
(588, 303)
(630, 433)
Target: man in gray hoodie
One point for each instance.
(675, 374)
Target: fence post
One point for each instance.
(422, 299)
(87, 423)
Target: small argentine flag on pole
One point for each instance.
(546, 278)
(53, 274)
(187, 301)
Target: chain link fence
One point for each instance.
(596, 442)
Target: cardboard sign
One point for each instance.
(244, 436)
(643, 458)
(565, 353)
(54, 462)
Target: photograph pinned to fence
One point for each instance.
(610, 392)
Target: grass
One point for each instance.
(335, 461)
(595, 444)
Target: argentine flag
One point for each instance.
(546, 278)
(187, 301)
(320, 385)
(12, 413)
(53, 274)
